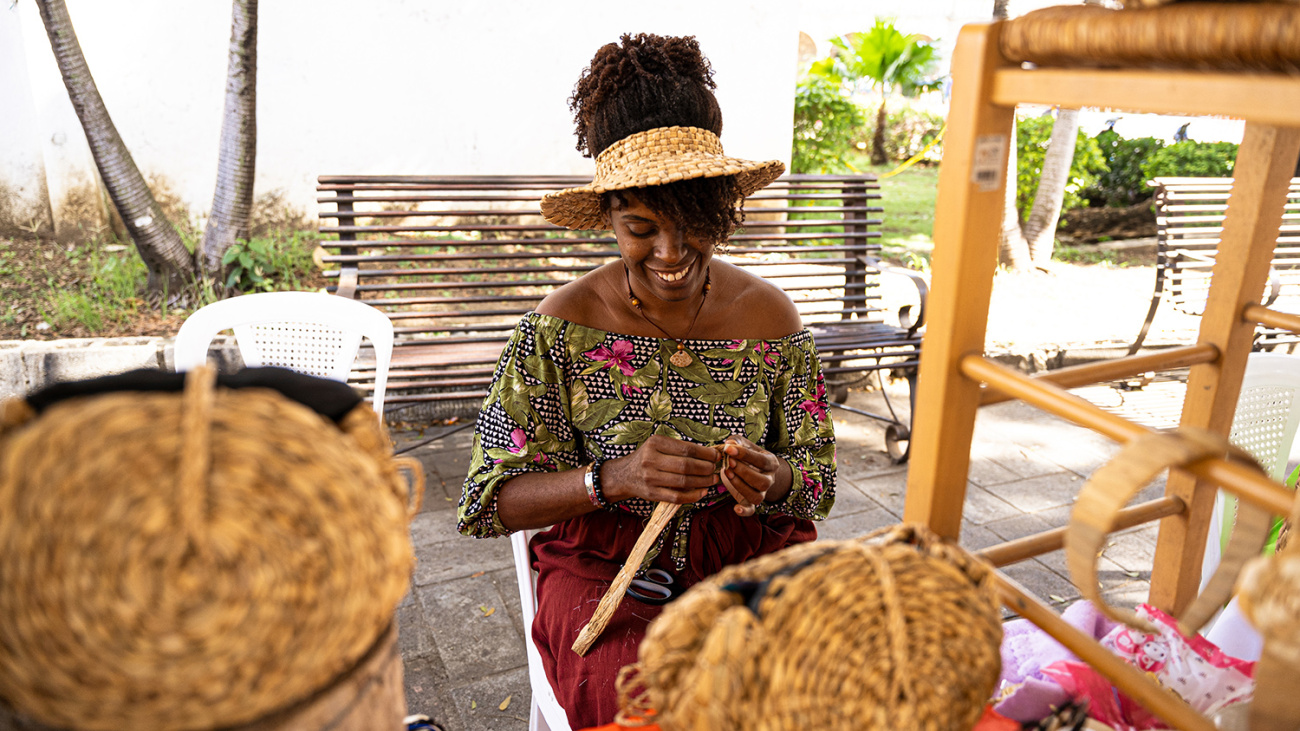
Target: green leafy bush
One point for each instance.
(1123, 183)
(1032, 136)
(1192, 159)
(269, 264)
(907, 131)
(825, 125)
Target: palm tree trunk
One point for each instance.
(1040, 227)
(878, 156)
(1013, 249)
(232, 203)
(170, 265)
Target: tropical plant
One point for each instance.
(909, 131)
(1033, 141)
(825, 123)
(172, 268)
(232, 202)
(169, 264)
(1192, 159)
(1122, 183)
(888, 61)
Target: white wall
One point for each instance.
(22, 168)
(385, 86)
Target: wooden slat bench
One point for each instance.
(1189, 221)
(455, 261)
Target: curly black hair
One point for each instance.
(648, 81)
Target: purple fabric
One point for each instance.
(1026, 650)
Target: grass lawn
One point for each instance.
(907, 234)
(908, 200)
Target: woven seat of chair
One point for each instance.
(1195, 36)
(176, 561)
(899, 632)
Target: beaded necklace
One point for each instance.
(681, 358)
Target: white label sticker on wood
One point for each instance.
(990, 160)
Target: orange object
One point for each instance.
(994, 721)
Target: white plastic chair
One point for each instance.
(1265, 424)
(309, 332)
(546, 714)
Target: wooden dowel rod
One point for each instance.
(1245, 483)
(1133, 682)
(1110, 370)
(1050, 398)
(1271, 318)
(1237, 478)
(1052, 540)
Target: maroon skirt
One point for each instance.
(577, 560)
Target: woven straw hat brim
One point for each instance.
(655, 157)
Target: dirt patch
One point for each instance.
(1093, 225)
(34, 271)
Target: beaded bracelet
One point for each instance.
(591, 479)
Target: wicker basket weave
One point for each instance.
(894, 631)
(1200, 35)
(191, 560)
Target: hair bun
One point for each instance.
(645, 76)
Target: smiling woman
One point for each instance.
(627, 386)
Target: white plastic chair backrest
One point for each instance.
(309, 332)
(1265, 424)
(546, 713)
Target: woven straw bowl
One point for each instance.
(190, 561)
(903, 634)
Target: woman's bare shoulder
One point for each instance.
(582, 301)
(757, 307)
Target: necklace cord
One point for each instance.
(636, 304)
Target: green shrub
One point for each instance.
(907, 131)
(825, 123)
(1123, 183)
(266, 264)
(1192, 159)
(1032, 136)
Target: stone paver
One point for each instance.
(462, 637)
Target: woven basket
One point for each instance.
(174, 561)
(894, 631)
(1200, 35)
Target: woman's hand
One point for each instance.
(662, 469)
(750, 473)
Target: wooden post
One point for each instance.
(968, 215)
(1262, 177)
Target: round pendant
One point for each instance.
(681, 359)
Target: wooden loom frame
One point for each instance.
(955, 378)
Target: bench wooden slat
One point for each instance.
(456, 260)
(1189, 217)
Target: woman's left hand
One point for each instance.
(749, 472)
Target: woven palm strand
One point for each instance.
(172, 562)
(1201, 36)
(894, 631)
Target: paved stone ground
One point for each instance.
(461, 632)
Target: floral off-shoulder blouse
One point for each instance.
(564, 394)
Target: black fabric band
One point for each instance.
(330, 399)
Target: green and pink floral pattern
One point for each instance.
(565, 394)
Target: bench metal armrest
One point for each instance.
(905, 316)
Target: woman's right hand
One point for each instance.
(663, 470)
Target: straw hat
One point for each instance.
(898, 630)
(654, 157)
